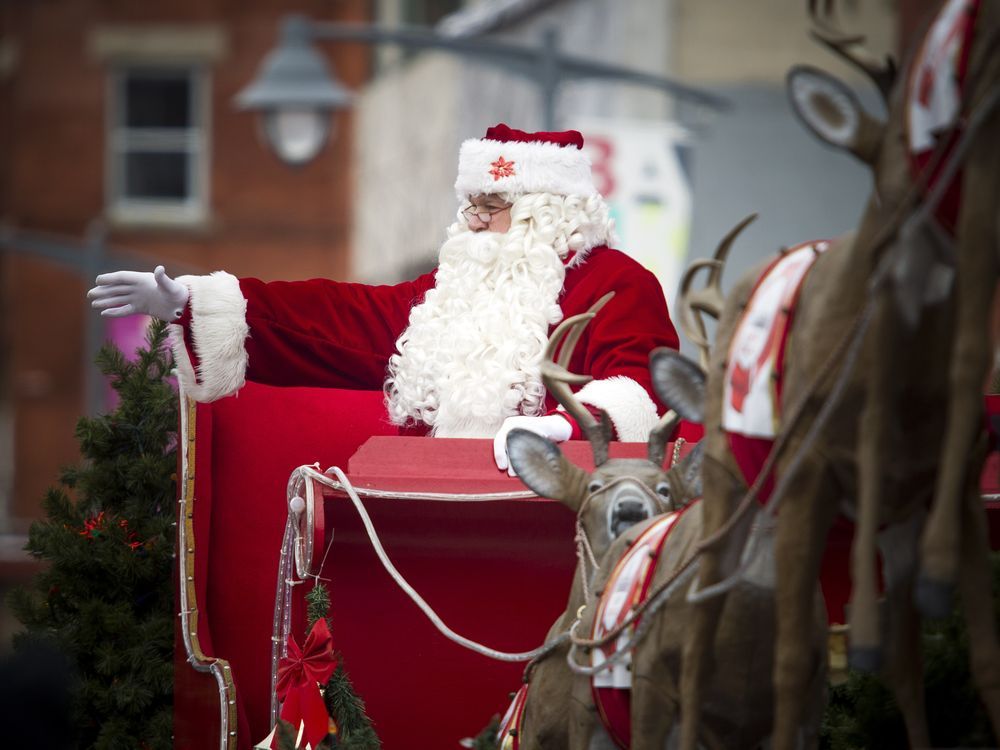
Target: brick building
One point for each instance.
(119, 115)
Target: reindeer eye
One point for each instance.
(663, 489)
(594, 486)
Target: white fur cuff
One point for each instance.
(218, 329)
(630, 408)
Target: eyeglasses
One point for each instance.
(483, 213)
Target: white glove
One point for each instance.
(552, 426)
(139, 293)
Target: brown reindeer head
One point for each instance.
(619, 492)
(918, 253)
(833, 113)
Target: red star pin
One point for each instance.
(501, 168)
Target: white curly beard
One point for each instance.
(469, 358)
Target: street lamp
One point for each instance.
(295, 96)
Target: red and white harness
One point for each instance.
(751, 408)
(627, 587)
(934, 95)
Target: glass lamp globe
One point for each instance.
(297, 133)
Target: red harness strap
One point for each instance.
(509, 734)
(627, 587)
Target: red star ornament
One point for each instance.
(502, 168)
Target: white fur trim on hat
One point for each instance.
(627, 403)
(487, 166)
(218, 329)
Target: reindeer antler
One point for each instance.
(660, 435)
(851, 48)
(557, 378)
(708, 300)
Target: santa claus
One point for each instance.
(457, 350)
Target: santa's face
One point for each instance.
(488, 213)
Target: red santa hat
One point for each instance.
(513, 161)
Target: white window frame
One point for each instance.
(122, 209)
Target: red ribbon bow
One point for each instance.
(298, 674)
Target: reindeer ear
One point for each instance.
(542, 467)
(679, 382)
(832, 112)
(690, 469)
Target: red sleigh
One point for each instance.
(497, 571)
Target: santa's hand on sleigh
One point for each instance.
(552, 426)
(124, 293)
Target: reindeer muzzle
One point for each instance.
(631, 506)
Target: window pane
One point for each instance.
(157, 100)
(156, 175)
(428, 12)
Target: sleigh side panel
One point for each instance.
(242, 451)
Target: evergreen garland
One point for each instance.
(345, 706)
(487, 737)
(318, 605)
(862, 713)
(105, 600)
(355, 731)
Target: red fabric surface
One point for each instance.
(456, 465)
(245, 450)
(506, 134)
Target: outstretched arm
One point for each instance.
(317, 333)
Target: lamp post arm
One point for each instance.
(577, 68)
(543, 64)
(78, 256)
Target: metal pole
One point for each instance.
(549, 76)
(95, 252)
(545, 65)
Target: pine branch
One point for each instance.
(106, 597)
(318, 603)
(355, 729)
(286, 736)
(487, 737)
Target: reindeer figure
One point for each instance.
(870, 334)
(637, 491)
(620, 506)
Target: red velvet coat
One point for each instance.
(336, 334)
